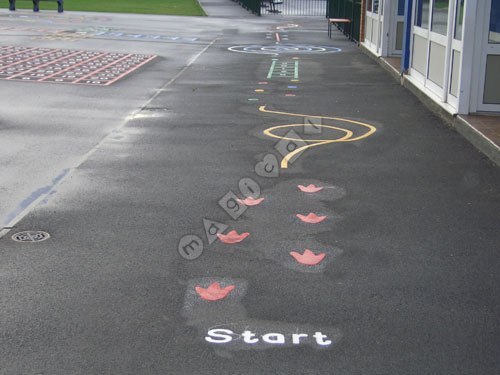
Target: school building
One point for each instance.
(448, 49)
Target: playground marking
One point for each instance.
(156, 37)
(224, 336)
(67, 66)
(288, 26)
(283, 69)
(278, 49)
(214, 291)
(308, 258)
(348, 134)
(97, 32)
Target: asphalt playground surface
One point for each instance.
(134, 182)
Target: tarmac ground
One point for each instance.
(127, 180)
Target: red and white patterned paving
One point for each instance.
(67, 66)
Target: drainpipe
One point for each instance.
(405, 61)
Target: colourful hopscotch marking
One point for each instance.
(271, 69)
(253, 100)
(283, 69)
(259, 90)
(362, 130)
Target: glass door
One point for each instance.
(432, 45)
(374, 25)
(397, 27)
(455, 71)
(489, 86)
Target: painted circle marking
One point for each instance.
(283, 49)
(190, 247)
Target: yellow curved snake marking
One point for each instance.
(348, 137)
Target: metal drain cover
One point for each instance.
(31, 236)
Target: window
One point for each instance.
(459, 20)
(494, 36)
(440, 16)
(401, 7)
(375, 6)
(369, 5)
(422, 14)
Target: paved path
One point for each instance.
(401, 273)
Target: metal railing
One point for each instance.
(295, 7)
(36, 5)
(286, 7)
(350, 9)
(253, 6)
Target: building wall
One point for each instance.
(453, 48)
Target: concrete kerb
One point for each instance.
(481, 142)
(463, 127)
(224, 9)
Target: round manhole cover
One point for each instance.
(31, 236)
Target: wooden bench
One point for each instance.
(336, 21)
(36, 6)
(272, 5)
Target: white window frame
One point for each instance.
(479, 69)
(378, 48)
(437, 93)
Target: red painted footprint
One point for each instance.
(308, 258)
(310, 188)
(214, 292)
(311, 218)
(250, 201)
(232, 237)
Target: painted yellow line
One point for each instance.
(269, 133)
(348, 137)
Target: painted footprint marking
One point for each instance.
(214, 292)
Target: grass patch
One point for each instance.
(165, 7)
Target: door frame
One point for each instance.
(394, 18)
(485, 49)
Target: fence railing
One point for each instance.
(295, 7)
(253, 6)
(350, 9)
